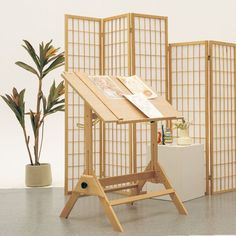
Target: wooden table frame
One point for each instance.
(90, 185)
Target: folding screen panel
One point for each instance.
(189, 88)
(149, 61)
(133, 44)
(223, 123)
(116, 45)
(150, 49)
(202, 87)
(82, 52)
(116, 61)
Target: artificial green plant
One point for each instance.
(47, 60)
(182, 124)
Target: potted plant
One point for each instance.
(47, 60)
(183, 132)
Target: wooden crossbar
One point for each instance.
(107, 190)
(127, 178)
(140, 197)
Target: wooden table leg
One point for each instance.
(174, 196)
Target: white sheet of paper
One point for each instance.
(142, 103)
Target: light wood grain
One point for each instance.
(140, 197)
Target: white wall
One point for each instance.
(44, 20)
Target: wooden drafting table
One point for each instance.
(120, 111)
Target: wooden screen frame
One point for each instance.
(220, 177)
(132, 137)
(210, 162)
(111, 156)
(145, 128)
(206, 143)
(67, 189)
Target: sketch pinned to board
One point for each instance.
(136, 85)
(144, 105)
(107, 86)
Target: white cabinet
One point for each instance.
(185, 167)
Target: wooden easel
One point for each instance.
(89, 184)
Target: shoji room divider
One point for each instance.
(121, 45)
(202, 87)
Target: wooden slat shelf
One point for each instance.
(140, 197)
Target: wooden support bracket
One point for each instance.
(89, 185)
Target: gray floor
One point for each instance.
(36, 212)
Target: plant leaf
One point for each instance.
(58, 62)
(47, 55)
(56, 109)
(41, 56)
(44, 104)
(33, 122)
(22, 103)
(54, 103)
(27, 67)
(56, 56)
(51, 96)
(60, 89)
(29, 48)
(17, 105)
(45, 52)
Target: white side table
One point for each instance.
(184, 166)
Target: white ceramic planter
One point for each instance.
(183, 137)
(183, 133)
(38, 175)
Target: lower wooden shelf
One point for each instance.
(140, 197)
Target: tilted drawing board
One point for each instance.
(119, 111)
(115, 110)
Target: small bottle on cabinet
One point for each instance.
(168, 136)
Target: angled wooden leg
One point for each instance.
(69, 205)
(89, 185)
(161, 177)
(178, 203)
(111, 215)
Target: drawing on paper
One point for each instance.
(136, 85)
(107, 86)
(144, 105)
